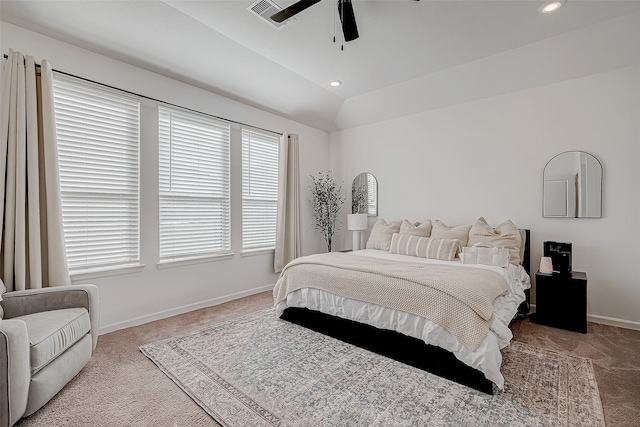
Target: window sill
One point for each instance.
(179, 262)
(116, 270)
(257, 252)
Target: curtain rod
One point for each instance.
(156, 100)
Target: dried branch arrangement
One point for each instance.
(326, 202)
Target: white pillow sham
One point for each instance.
(505, 235)
(441, 230)
(381, 233)
(422, 230)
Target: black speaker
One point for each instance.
(560, 254)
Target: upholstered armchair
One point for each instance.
(46, 337)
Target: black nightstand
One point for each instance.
(561, 300)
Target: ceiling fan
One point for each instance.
(345, 10)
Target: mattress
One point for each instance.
(486, 358)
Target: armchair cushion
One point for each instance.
(53, 332)
(21, 303)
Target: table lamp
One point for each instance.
(357, 223)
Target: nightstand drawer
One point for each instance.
(561, 301)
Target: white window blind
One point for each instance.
(259, 189)
(98, 146)
(194, 185)
(372, 194)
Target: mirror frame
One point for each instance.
(371, 181)
(546, 193)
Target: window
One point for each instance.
(194, 185)
(259, 189)
(98, 149)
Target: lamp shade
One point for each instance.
(357, 222)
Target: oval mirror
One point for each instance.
(572, 186)
(364, 194)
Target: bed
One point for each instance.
(399, 333)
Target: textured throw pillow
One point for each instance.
(424, 247)
(441, 230)
(422, 230)
(381, 233)
(505, 235)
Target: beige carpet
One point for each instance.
(121, 387)
(258, 370)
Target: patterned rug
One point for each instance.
(258, 370)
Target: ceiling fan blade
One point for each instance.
(294, 9)
(348, 20)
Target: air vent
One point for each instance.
(265, 9)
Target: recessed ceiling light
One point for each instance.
(335, 83)
(551, 6)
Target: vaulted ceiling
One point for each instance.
(405, 47)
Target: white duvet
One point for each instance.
(487, 358)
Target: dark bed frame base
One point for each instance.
(400, 347)
(394, 345)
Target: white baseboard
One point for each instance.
(182, 309)
(611, 321)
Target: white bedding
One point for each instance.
(487, 358)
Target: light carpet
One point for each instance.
(258, 370)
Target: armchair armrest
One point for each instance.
(15, 371)
(20, 303)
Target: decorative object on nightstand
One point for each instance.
(546, 265)
(561, 300)
(357, 223)
(560, 254)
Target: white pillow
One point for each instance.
(505, 235)
(422, 230)
(441, 230)
(424, 247)
(381, 233)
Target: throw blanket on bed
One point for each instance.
(460, 299)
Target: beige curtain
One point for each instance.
(288, 245)
(32, 246)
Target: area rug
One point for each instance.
(258, 370)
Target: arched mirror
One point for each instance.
(572, 186)
(364, 194)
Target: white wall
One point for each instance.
(152, 293)
(486, 157)
(606, 46)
